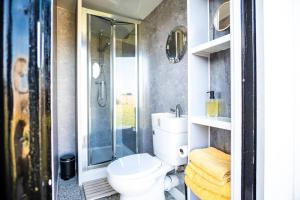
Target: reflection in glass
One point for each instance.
(96, 70)
(125, 89)
(20, 135)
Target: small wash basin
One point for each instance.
(174, 124)
(169, 122)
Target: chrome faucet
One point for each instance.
(178, 110)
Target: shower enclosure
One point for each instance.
(107, 79)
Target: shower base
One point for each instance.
(104, 154)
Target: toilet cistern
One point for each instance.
(178, 110)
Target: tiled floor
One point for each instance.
(69, 190)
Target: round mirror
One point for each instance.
(95, 70)
(222, 17)
(176, 44)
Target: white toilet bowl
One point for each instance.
(138, 177)
(141, 176)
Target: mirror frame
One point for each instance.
(218, 11)
(177, 59)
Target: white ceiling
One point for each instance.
(136, 9)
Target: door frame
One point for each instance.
(278, 100)
(26, 169)
(249, 119)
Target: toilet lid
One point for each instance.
(133, 166)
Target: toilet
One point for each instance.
(142, 176)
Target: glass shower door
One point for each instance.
(125, 84)
(100, 139)
(112, 96)
(106, 91)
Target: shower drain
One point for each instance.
(98, 189)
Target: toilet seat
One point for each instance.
(134, 166)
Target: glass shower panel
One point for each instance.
(125, 62)
(100, 116)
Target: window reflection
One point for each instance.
(20, 126)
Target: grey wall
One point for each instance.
(220, 80)
(220, 64)
(162, 84)
(66, 48)
(220, 83)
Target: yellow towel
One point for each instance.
(199, 181)
(212, 161)
(202, 193)
(207, 176)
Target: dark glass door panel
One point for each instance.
(25, 99)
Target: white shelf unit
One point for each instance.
(216, 122)
(199, 52)
(213, 46)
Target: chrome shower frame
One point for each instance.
(88, 172)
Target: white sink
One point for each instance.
(169, 122)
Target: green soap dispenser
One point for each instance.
(212, 105)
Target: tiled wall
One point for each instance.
(220, 80)
(66, 84)
(220, 83)
(162, 84)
